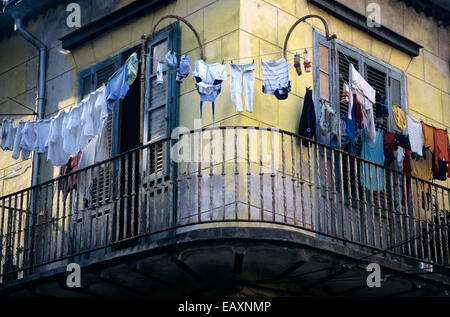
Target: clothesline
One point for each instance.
(242, 58)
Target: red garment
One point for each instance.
(358, 111)
(389, 147)
(67, 184)
(440, 147)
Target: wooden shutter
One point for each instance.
(378, 80)
(344, 68)
(160, 101)
(92, 79)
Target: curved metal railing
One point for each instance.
(224, 175)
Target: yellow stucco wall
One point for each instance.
(229, 29)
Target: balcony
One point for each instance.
(220, 186)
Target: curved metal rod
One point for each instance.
(302, 19)
(171, 16)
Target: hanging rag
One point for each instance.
(159, 74)
(389, 147)
(117, 86)
(345, 98)
(402, 141)
(307, 62)
(66, 185)
(441, 145)
(416, 137)
(428, 134)
(8, 134)
(297, 65)
(133, 63)
(366, 97)
(399, 117)
(184, 69)
(307, 127)
(171, 59)
(326, 116)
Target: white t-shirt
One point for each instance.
(8, 134)
(71, 131)
(95, 109)
(42, 135)
(56, 154)
(415, 132)
(17, 141)
(100, 110)
(28, 141)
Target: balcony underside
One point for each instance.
(228, 261)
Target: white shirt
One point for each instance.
(71, 131)
(42, 135)
(415, 133)
(95, 109)
(100, 110)
(56, 153)
(28, 141)
(8, 134)
(17, 140)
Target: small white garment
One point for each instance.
(8, 134)
(415, 132)
(56, 154)
(28, 142)
(17, 140)
(327, 116)
(100, 110)
(87, 121)
(42, 133)
(365, 95)
(399, 157)
(359, 86)
(242, 81)
(368, 122)
(95, 109)
(71, 131)
(159, 74)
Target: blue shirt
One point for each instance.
(372, 152)
(117, 85)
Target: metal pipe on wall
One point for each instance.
(42, 74)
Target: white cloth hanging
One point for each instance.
(365, 95)
(416, 137)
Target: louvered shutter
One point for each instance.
(344, 67)
(160, 102)
(91, 80)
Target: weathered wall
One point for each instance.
(249, 28)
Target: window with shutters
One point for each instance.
(89, 80)
(161, 101)
(387, 81)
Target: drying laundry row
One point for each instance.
(71, 129)
(209, 78)
(60, 136)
